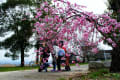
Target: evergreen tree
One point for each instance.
(15, 17)
(114, 6)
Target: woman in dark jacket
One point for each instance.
(44, 60)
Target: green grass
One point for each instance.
(61, 79)
(101, 74)
(5, 69)
(79, 64)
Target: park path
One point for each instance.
(35, 75)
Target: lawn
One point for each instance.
(5, 69)
(78, 63)
(101, 74)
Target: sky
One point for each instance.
(2, 1)
(95, 6)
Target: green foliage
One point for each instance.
(14, 3)
(114, 5)
(22, 32)
(18, 21)
(17, 17)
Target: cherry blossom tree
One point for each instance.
(66, 21)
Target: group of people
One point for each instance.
(59, 51)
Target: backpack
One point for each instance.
(61, 52)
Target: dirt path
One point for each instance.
(35, 75)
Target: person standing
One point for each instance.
(67, 56)
(61, 54)
(55, 56)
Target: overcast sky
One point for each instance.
(96, 6)
(1, 1)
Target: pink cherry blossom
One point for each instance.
(114, 44)
(109, 40)
(46, 9)
(95, 50)
(78, 59)
(72, 23)
(73, 62)
(63, 64)
(78, 65)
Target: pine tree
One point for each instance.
(15, 17)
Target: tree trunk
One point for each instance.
(87, 56)
(115, 64)
(37, 58)
(37, 54)
(22, 55)
(83, 60)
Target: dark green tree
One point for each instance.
(19, 41)
(114, 6)
(15, 17)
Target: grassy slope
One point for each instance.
(101, 74)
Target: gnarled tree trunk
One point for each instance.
(115, 63)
